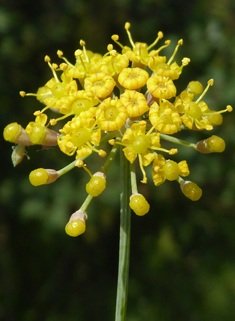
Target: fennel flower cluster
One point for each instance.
(125, 101)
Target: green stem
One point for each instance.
(124, 242)
(178, 141)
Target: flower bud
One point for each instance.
(139, 204)
(191, 190)
(41, 135)
(77, 224)
(18, 154)
(15, 133)
(42, 176)
(97, 184)
(213, 144)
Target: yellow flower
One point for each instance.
(139, 54)
(112, 65)
(77, 102)
(100, 84)
(84, 61)
(54, 90)
(167, 169)
(196, 114)
(162, 87)
(165, 118)
(133, 78)
(172, 71)
(169, 70)
(79, 135)
(135, 103)
(111, 114)
(139, 143)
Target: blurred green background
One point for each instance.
(182, 264)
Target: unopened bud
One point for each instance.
(15, 133)
(42, 176)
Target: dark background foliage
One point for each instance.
(182, 253)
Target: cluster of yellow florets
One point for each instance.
(128, 99)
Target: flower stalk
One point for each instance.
(124, 241)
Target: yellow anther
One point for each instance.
(63, 66)
(54, 66)
(110, 47)
(82, 43)
(160, 35)
(209, 127)
(113, 53)
(115, 37)
(79, 163)
(210, 82)
(53, 122)
(180, 42)
(102, 153)
(229, 108)
(185, 61)
(22, 93)
(78, 53)
(37, 113)
(47, 59)
(127, 25)
(112, 142)
(173, 151)
(60, 53)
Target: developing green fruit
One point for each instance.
(96, 185)
(139, 204)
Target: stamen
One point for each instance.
(78, 54)
(60, 55)
(228, 109)
(83, 45)
(167, 43)
(101, 152)
(48, 59)
(185, 62)
(144, 180)
(180, 43)
(110, 47)
(127, 27)
(209, 83)
(172, 151)
(159, 36)
(115, 38)
(54, 121)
